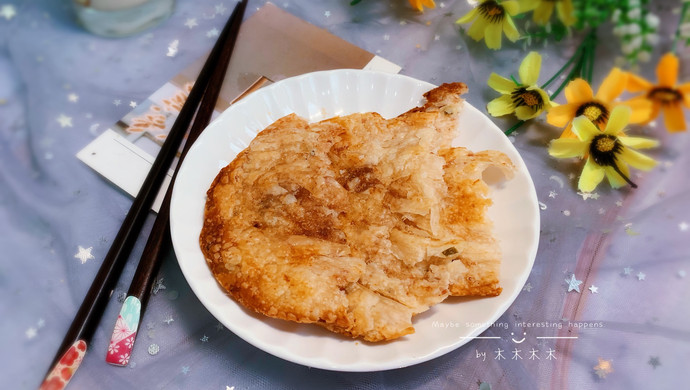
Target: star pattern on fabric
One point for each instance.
(594, 289)
(212, 33)
(117, 102)
(627, 271)
(204, 339)
(220, 326)
(220, 9)
(132, 103)
(603, 368)
(169, 320)
(684, 226)
(654, 362)
(588, 195)
(31, 333)
(185, 370)
(191, 23)
(64, 120)
(681, 273)
(73, 97)
(641, 276)
(173, 48)
(158, 285)
(8, 11)
(527, 287)
(327, 14)
(553, 194)
(84, 254)
(573, 284)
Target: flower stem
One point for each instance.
(563, 68)
(676, 36)
(582, 54)
(514, 127)
(592, 54)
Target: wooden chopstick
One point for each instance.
(78, 337)
(159, 243)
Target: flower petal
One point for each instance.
(512, 7)
(560, 116)
(584, 129)
(638, 142)
(612, 86)
(684, 89)
(636, 159)
(477, 29)
(509, 28)
(667, 70)
(566, 12)
(502, 105)
(641, 109)
(529, 68)
(528, 5)
(524, 113)
(492, 35)
(467, 17)
(656, 110)
(567, 147)
(620, 117)
(673, 117)
(429, 3)
(578, 90)
(417, 4)
(542, 13)
(636, 83)
(592, 175)
(615, 179)
(568, 132)
(501, 84)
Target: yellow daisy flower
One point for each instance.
(420, 4)
(525, 99)
(665, 96)
(543, 9)
(491, 18)
(608, 153)
(596, 107)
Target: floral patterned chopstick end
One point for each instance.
(125, 332)
(63, 370)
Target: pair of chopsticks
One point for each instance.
(199, 108)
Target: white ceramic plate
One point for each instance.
(317, 96)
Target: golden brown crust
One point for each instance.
(355, 223)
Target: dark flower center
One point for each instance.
(665, 95)
(524, 97)
(594, 111)
(492, 11)
(603, 150)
